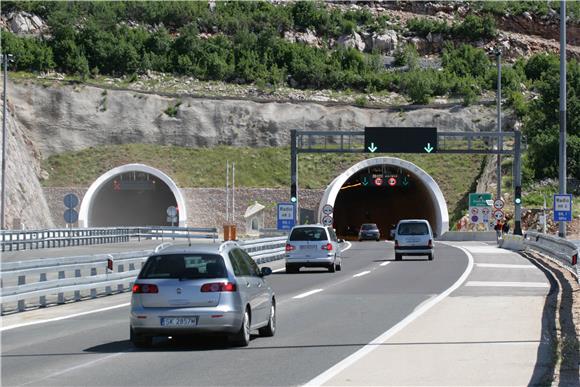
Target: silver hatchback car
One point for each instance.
(313, 246)
(201, 289)
(413, 237)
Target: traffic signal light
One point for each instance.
(518, 198)
(293, 193)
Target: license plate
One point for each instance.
(307, 247)
(178, 321)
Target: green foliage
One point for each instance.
(471, 28)
(424, 26)
(466, 60)
(407, 55)
(28, 53)
(171, 110)
(418, 85)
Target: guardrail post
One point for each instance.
(121, 287)
(61, 294)
(21, 303)
(77, 292)
(94, 291)
(42, 299)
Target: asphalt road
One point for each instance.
(370, 295)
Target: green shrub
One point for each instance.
(407, 55)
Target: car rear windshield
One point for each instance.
(413, 229)
(369, 226)
(184, 266)
(308, 234)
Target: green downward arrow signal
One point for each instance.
(428, 148)
(372, 148)
(365, 182)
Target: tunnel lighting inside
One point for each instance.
(381, 194)
(132, 199)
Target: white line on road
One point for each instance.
(384, 263)
(278, 270)
(342, 365)
(361, 274)
(308, 293)
(504, 266)
(347, 247)
(64, 317)
(508, 284)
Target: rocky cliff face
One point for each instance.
(69, 118)
(25, 205)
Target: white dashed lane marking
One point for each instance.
(308, 293)
(362, 273)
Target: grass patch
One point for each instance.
(255, 167)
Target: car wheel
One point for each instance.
(398, 257)
(339, 267)
(270, 329)
(332, 267)
(378, 239)
(431, 256)
(140, 340)
(242, 338)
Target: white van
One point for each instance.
(413, 237)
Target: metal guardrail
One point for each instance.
(11, 240)
(563, 252)
(61, 276)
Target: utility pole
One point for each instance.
(233, 193)
(227, 191)
(5, 58)
(500, 139)
(562, 153)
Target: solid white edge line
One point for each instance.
(278, 270)
(361, 273)
(307, 293)
(348, 361)
(348, 247)
(64, 317)
(384, 263)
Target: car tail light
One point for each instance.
(396, 243)
(574, 259)
(289, 247)
(430, 243)
(327, 246)
(218, 287)
(145, 288)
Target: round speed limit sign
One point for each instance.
(327, 220)
(498, 204)
(498, 214)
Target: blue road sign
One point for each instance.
(71, 216)
(563, 208)
(286, 216)
(71, 200)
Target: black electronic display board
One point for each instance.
(400, 140)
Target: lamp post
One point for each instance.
(497, 53)
(562, 153)
(4, 60)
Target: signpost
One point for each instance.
(327, 209)
(172, 215)
(70, 202)
(327, 220)
(563, 208)
(479, 209)
(400, 139)
(286, 216)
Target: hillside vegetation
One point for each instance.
(244, 43)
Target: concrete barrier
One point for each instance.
(512, 242)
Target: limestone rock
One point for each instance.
(385, 41)
(352, 41)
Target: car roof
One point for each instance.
(414, 221)
(309, 225)
(199, 248)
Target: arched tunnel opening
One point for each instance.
(382, 194)
(132, 199)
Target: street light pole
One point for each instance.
(562, 153)
(3, 192)
(500, 139)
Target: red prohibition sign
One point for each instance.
(392, 181)
(378, 181)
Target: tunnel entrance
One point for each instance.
(384, 190)
(383, 195)
(131, 195)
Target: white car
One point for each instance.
(413, 237)
(313, 246)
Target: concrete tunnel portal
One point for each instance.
(131, 195)
(384, 190)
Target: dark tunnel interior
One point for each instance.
(383, 195)
(132, 199)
